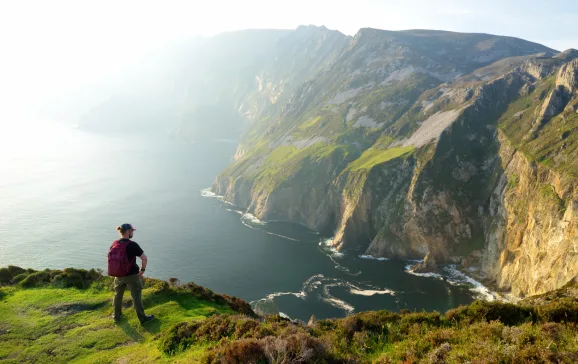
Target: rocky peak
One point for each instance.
(568, 76)
(567, 55)
(539, 67)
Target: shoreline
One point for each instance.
(451, 273)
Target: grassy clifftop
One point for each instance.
(64, 316)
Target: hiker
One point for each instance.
(122, 265)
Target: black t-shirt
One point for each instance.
(133, 250)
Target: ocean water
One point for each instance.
(63, 191)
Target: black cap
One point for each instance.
(126, 227)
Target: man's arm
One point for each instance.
(144, 261)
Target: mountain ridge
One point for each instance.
(304, 149)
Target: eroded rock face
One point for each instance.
(568, 76)
(429, 264)
(532, 236)
(436, 181)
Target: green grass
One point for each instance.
(372, 157)
(59, 325)
(357, 171)
(283, 164)
(555, 143)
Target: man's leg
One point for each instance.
(135, 285)
(119, 286)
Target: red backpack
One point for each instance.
(118, 263)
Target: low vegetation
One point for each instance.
(42, 322)
(555, 142)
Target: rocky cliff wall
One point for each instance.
(532, 234)
(478, 171)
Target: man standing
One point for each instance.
(122, 265)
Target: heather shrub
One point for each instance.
(296, 348)
(439, 354)
(14, 270)
(561, 310)
(36, 279)
(5, 276)
(241, 351)
(19, 278)
(214, 329)
(507, 313)
(428, 318)
(68, 279)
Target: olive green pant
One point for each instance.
(134, 283)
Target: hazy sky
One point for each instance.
(55, 44)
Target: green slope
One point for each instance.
(64, 316)
(41, 322)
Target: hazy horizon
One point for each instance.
(55, 50)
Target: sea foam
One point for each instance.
(371, 257)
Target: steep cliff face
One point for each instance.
(532, 239)
(453, 152)
(532, 235)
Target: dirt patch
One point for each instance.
(72, 308)
(432, 128)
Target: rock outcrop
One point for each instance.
(412, 145)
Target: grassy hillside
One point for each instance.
(64, 316)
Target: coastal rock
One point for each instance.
(312, 321)
(431, 181)
(428, 265)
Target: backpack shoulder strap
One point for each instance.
(113, 244)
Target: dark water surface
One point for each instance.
(63, 191)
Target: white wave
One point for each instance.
(319, 286)
(328, 247)
(282, 236)
(270, 297)
(455, 277)
(335, 302)
(247, 216)
(370, 292)
(481, 291)
(248, 225)
(284, 315)
(235, 211)
(279, 294)
(309, 285)
(222, 199)
(409, 270)
(371, 257)
(206, 192)
(329, 250)
(313, 282)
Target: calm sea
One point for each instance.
(63, 191)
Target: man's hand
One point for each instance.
(144, 260)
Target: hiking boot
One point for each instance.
(116, 319)
(147, 319)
